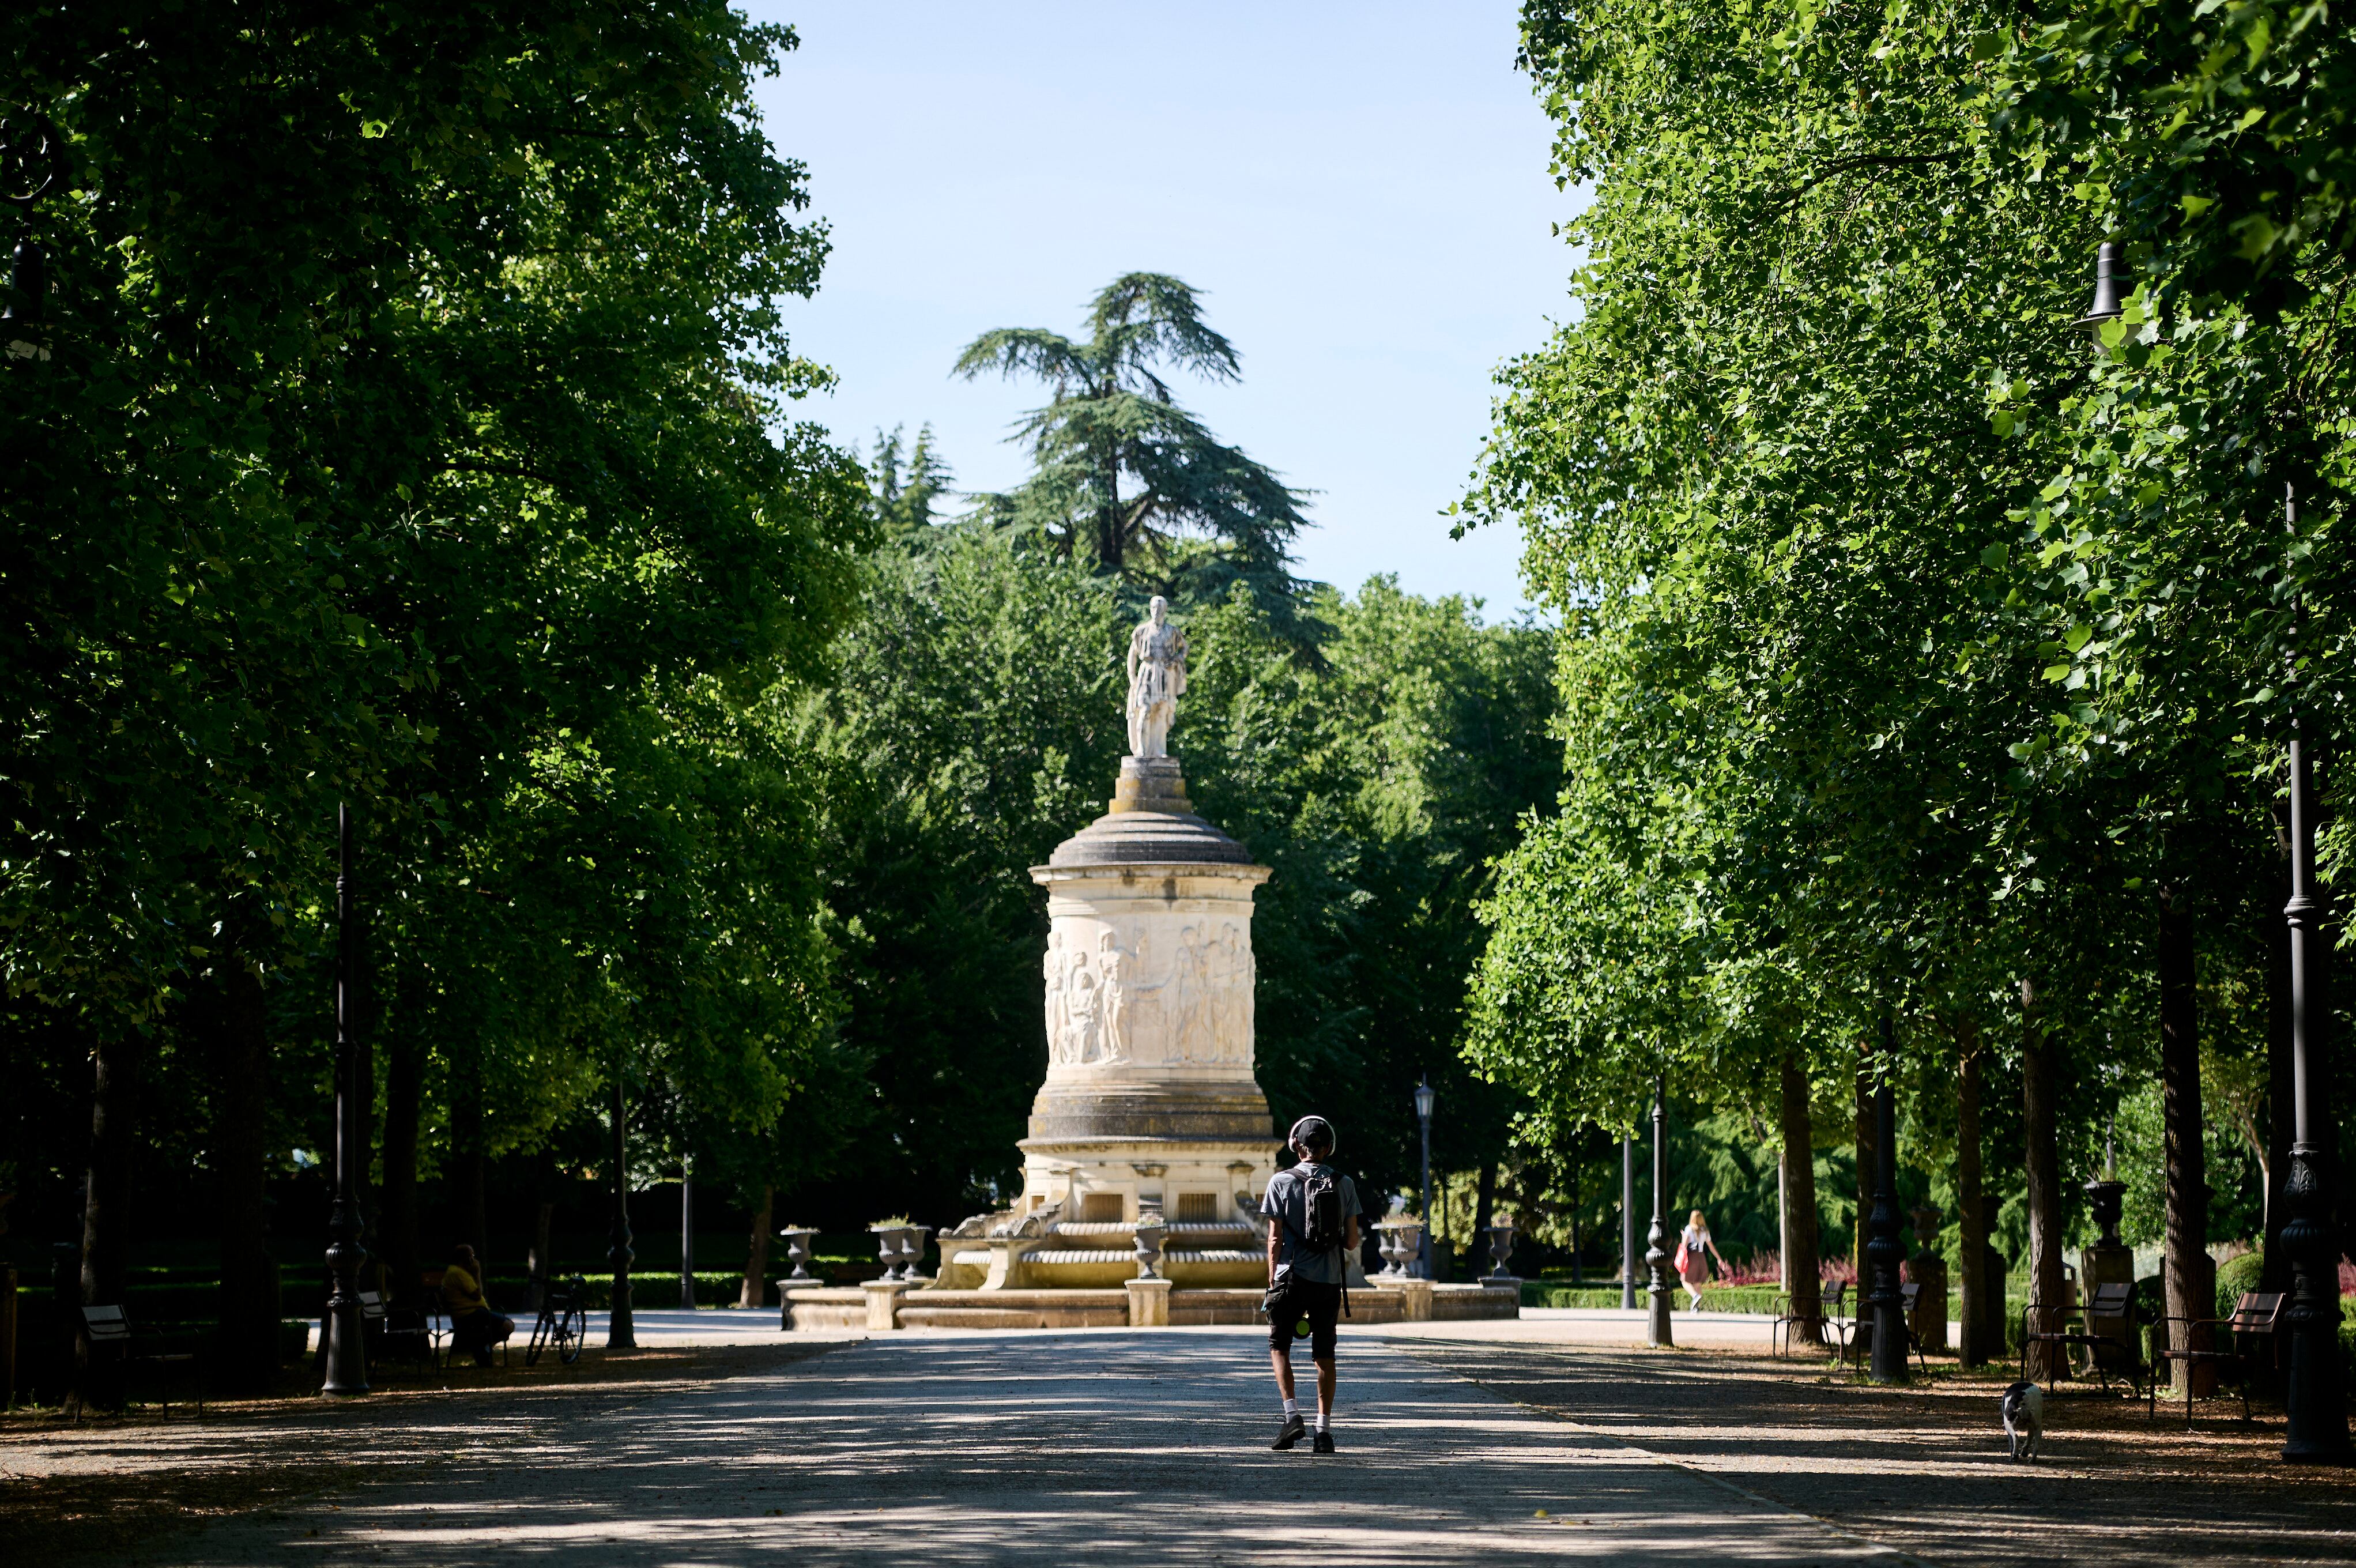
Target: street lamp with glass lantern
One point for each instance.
(1423, 1099)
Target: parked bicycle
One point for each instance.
(564, 1322)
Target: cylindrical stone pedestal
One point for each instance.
(1149, 1101)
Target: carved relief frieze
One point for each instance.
(1152, 990)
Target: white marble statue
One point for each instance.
(1157, 679)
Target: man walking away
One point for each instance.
(1312, 1211)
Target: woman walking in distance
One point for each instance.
(1693, 1242)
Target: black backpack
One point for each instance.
(1324, 1229)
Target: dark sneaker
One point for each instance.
(1324, 1443)
(1295, 1429)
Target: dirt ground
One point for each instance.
(1924, 1468)
(1920, 1469)
(89, 1491)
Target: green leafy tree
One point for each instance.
(411, 431)
(1126, 478)
(908, 484)
(1800, 699)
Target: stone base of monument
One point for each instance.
(885, 1305)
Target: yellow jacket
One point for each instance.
(460, 1293)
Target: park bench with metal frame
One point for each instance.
(1779, 1332)
(441, 1333)
(109, 1328)
(393, 1333)
(2257, 1317)
(2084, 1348)
(1853, 1345)
(1839, 1326)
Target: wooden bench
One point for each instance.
(108, 1328)
(2112, 1308)
(2257, 1317)
(1778, 1333)
(393, 1333)
(1853, 1344)
(442, 1335)
(1839, 1326)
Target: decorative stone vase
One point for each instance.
(1926, 1227)
(2103, 1201)
(797, 1252)
(1151, 1234)
(912, 1250)
(1501, 1250)
(887, 1248)
(1401, 1245)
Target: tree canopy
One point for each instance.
(1126, 479)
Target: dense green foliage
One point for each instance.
(1916, 649)
(410, 429)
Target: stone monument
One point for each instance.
(1150, 1142)
(1150, 1103)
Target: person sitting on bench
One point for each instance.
(473, 1324)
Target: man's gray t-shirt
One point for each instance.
(1287, 1203)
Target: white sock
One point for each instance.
(1291, 1409)
(1325, 1418)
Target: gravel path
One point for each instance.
(1070, 1449)
(1042, 1449)
(1924, 1469)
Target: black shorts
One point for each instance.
(1319, 1304)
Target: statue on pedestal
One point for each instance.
(1157, 679)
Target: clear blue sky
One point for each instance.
(1361, 190)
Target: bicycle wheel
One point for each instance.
(571, 1333)
(539, 1336)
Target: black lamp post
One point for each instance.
(1657, 1255)
(2314, 1401)
(347, 1359)
(1884, 1247)
(1627, 1224)
(621, 1332)
(1423, 1099)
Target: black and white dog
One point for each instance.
(2023, 1407)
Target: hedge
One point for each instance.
(1719, 1298)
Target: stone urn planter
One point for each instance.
(1151, 1232)
(798, 1242)
(1400, 1243)
(1500, 1252)
(888, 1248)
(912, 1250)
